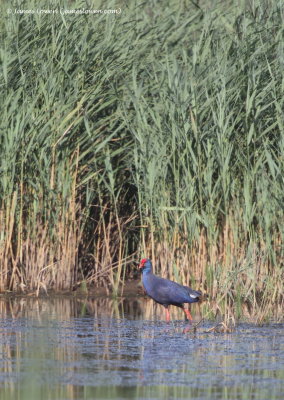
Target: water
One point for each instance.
(63, 348)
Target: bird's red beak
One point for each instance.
(142, 262)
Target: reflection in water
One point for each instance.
(59, 348)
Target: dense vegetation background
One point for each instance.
(156, 130)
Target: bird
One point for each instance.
(167, 292)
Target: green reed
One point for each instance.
(156, 131)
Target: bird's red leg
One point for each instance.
(187, 313)
(168, 318)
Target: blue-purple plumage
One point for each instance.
(165, 291)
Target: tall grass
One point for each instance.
(156, 131)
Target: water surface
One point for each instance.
(65, 348)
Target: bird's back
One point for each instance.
(167, 292)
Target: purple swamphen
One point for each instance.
(167, 292)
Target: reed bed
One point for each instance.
(154, 131)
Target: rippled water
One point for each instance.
(63, 348)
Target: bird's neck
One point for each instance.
(147, 271)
